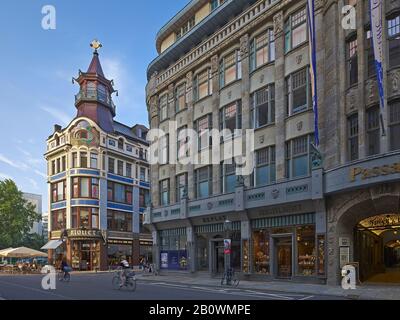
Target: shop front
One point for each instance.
(116, 249)
(173, 249)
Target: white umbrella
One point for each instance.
(22, 252)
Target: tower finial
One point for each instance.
(95, 44)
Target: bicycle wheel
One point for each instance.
(235, 282)
(131, 284)
(116, 282)
(60, 276)
(67, 277)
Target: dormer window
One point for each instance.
(121, 143)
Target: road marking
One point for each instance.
(37, 290)
(270, 294)
(306, 298)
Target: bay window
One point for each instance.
(230, 68)
(119, 221)
(85, 187)
(58, 191)
(58, 220)
(262, 49)
(298, 156)
(262, 103)
(203, 182)
(296, 30)
(202, 86)
(85, 217)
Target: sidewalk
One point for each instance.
(362, 292)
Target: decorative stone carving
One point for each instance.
(261, 139)
(369, 92)
(394, 82)
(180, 120)
(299, 58)
(278, 23)
(244, 45)
(189, 80)
(229, 94)
(262, 78)
(209, 205)
(171, 91)
(153, 107)
(299, 125)
(214, 64)
(351, 100)
(202, 109)
(275, 193)
(239, 181)
(316, 157)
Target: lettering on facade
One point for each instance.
(214, 219)
(129, 242)
(374, 172)
(281, 210)
(81, 233)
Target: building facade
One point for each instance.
(98, 181)
(36, 200)
(304, 212)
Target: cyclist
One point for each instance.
(64, 268)
(124, 264)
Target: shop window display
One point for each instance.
(261, 252)
(306, 250)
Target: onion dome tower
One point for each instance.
(94, 98)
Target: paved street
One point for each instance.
(98, 286)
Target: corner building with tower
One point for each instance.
(304, 212)
(98, 178)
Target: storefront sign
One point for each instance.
(82, 233)
(282, 209)
(227, 246)
(344, 242)
(214, 219)
(383, 220)
(118, 241)
(366, 173)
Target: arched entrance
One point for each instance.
(359, 231)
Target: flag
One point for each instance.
(313, 66)
(375, 10)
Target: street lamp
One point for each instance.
(227, 250)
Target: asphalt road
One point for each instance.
(99, 287)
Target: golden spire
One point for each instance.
(95, 44)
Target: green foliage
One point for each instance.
(33, 241)
(17, 215)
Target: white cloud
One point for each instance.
(34, 184)
(40, 174)
(15, 164)
(61, 116)
(4, 176)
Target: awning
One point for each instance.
(22, 252)
(52, 244)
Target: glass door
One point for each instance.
(283, 249)
(219, 258)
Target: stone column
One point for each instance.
(215, 118)
(385, 66)
(280, 110)
(191, 253)
(154, 169)
(172, 143)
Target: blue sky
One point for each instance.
(37, 65)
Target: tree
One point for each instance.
(17, 215)
(33, 241)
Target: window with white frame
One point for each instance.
(230, 68)
(180, 97)
(298, 156)
(262, 104)
(202, 86)
(296, 30)
(262, 49)
(163, 107)
(298, 91)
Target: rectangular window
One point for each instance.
(373, 130)
(119, 193)
(298, 91)
(119, 221)
(262, 104)
(63, 163)
(95, 218)
(59, 219)
(181, 186)
(74, 159)
(202, 85)
(111, 165)
(180, 98)
(352, 61)
(394, 41)
(394, 125)
(181, 145)
(203, 126)
(231, 117)
(265, 167)
(164, 149)
(58, 167)
(295, 30)
(120, 168)
(143, 174)
(203, 182)
(298, 157)
(84, 220)
(260, 239)
(262, 49)
(129, 170)
(163, 106)
(128, 194)
(58, 191)
(84, 160)
(95, 188)
(84, 187)
(371, 69)
(352, 124)
(53, 167)
(93, 160)
(75, 187)
(306, 251)
(230, 68)
(228, 176)
(164, 192)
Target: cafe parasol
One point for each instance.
(21, 252)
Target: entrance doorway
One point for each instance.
(85, 255)
(283, 257)
(219, 257)
(377, 248)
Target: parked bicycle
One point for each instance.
(229, 278)
(129, 280)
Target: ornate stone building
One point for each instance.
(98, 181)
(245, 65)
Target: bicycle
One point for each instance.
(229, 278)
(64, 276)
(130, 280)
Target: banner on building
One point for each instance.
(313, 66)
